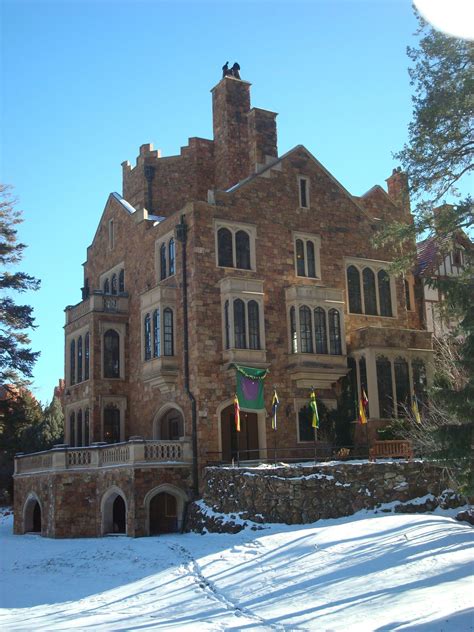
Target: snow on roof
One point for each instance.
(126, 205)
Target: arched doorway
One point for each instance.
(163, 514)
(243, 445)
(32, 516)
(169, 425)
(114, 512)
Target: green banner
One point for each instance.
(250, 387)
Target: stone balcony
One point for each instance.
(133, 453)
(310, 370)
(98, 302)
(391, 337)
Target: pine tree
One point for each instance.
(16, 358)
(52, 427)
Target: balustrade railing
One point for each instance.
(136, 451)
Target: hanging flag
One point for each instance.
(314, 410)
(250, 387)
(414, 408)
(275, 404)
(363, 403)
(237, 413)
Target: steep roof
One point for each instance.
(430, 251)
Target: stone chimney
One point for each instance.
(230, 108)
(398, 190)
(262, 137)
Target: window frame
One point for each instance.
(376, 267)
(315, 240)
(165, 257)
(234, 228)
(307, 182)
(295, 320)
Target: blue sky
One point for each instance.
(85, 83)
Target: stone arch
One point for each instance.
(261, 429)
(163, 416)
(32, 514)
(114, 514)
(180, 497)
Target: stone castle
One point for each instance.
(224, 255)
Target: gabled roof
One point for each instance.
(279, 160)
(430, 251)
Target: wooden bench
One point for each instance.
(391, 449)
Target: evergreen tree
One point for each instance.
(52, 427)
(16, 358)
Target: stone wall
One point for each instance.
(301, 495)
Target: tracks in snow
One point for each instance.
(212, 592)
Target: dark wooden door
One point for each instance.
(241, 445)
(163, 514)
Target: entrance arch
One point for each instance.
(114, 512)
(249, 444)
(32, 515)
(168, 423)
(164, 506)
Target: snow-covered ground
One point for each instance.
(369, 572)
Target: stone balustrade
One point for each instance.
(133, 452)
(98, 302)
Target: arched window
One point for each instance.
(384, 386)
(402, 386)
(300, 271)
(310, 259)
(114, 283)
(370, 297)
(106, 287)
(111, 354)
(86, 355)
(171, 426)
(254, 326)
(353, 286)
(156, 334)
(87, 438)
(72, 361)
(72, 429)
(293, 332)
(171, 257)
(335, 342)
(111, 424)
(168, 332)
(239, 324)
(320, 330)
(224, 247)
(79, 359)
(306, 335)
(121, 284)
(163, 261)
(226, 325)
(147, 334)
(79, 428)
(242, 250)
(384, 293)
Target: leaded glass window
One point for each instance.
(114, 283)
(122, 281)
(72, 361)
(305, 427)
(320, 330)
(335, 342)
(239, 324)
(162, 261)
(419, 379)
(86, 355)
(79, 359)
(353, 285)
(306, 335)
(402, 385)
(310, 259)
(293, 332)
(226, 325)
(111, 354)
(224, 247)
(300, 269)
(384, 385)
(242, 248)
(171, 257)
(254, 326)
(156, 334)
(370, 298)
(168, 341)
(111, 424)
(385, 297)
(147, 333)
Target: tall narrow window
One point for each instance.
(320, 330)
(370, 298)
(305, 424)
(111, 424)
(351, 385)
(168, 342)
(121, 284)
(226, 325)
(72, 361)
(419, 379)
(224, 247)
(87, 430)
(86, 355)
(254, 325)
(156, 334)
(72, 429)
(335, 342)
(111, 354)
(304, 193)
(293, 332)
(402, 386)
(306, 335)
(147, 334)
(106, 286)
(384, 293)
(384, 385)
(79, 359)
(163, 261)
(239, 324)
(114, 283)
(406, 285)
(353, 286)
(79, 429)
(310, 259)
(364, 388)
(171, 257)
(111, 234)
(242, 250)
(300, 269)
